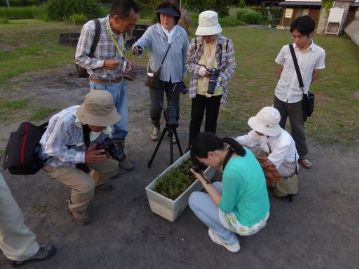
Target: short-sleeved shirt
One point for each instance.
(244, 190)
(288, 89)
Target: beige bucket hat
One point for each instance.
(266, 121)
(98, 109)
(208, 23)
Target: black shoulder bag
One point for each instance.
(153, 78)
(308, 98)
(82, 72)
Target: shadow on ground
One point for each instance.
(318, 230)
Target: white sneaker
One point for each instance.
(216, 239)
(155, 133)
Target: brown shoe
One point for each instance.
(305, 163)
(44, 252)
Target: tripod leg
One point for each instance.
(178, 142)
(157, 147)
(171, 146)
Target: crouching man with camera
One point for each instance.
(211, 64)
(78, 152)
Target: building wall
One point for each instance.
(297, 12)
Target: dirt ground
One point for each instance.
(318, 230)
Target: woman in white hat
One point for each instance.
(167, 43)
(209, 50)
(272, 139)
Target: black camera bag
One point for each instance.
(21, 156)
(82, 72)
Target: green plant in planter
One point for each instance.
(175, 181)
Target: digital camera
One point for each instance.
(115, 150)
(214, 74)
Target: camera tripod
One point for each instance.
(171, 131)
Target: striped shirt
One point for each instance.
(63, 141)
(227, 63)
(105, 49)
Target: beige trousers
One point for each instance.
(16, 240)
(83, 185)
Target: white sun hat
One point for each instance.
(208, 23)
(266, 121)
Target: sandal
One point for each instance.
(305, 163)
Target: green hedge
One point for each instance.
(14, 13)
(63, 9)
(271, 15)
(249, 16)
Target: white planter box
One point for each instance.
(166, 207)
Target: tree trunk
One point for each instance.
(8, 3)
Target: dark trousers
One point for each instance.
(199, 104)
(157, 95)
(295, 113)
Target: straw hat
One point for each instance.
(208, 23)
(98, 109)
(266, 121)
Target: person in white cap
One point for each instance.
(17, 242)
(69, 146)
(209, 53)
(167, 43)
(273, 140)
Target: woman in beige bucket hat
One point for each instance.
(209, 50)
(274, 141)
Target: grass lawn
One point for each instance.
(32, 45)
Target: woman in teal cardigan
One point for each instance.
(237, 205)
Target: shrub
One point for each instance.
(229, 21)
(249, 16)
(271, 15)
(63, 9)
(77, 19)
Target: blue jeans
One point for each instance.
(119, 95)
(205, 209)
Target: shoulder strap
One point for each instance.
(227, 45)
(301, 85)
(96, 37)
(165, 56)
(86, 134)
(195, 44)
(220, 55)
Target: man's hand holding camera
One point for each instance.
(93, 155)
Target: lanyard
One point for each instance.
(120, 51)
(113, 37)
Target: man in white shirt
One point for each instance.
(288, 94)
(272, 140)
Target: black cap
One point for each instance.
(170, 11)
